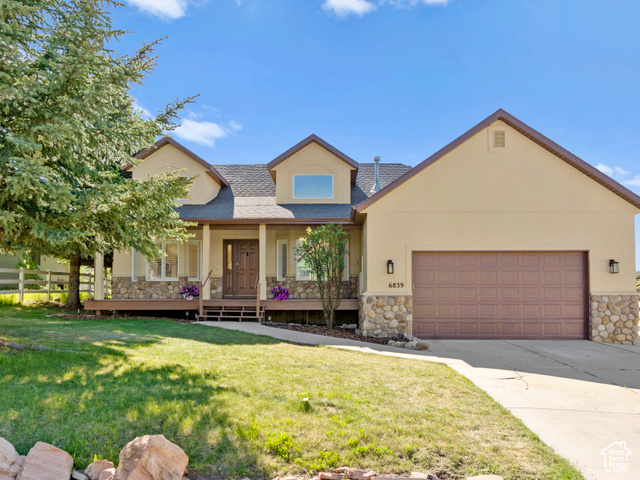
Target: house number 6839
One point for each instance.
(396, 285)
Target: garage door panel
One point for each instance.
(530, 293)
(552, 311)
(500, 294)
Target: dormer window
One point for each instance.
(313, 186)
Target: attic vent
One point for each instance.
(499, 139)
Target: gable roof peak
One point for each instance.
(212, 172)
(533, 135)
(313, 138)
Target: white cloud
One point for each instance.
(140, 110)
(616, 173)
(165, 9)
(205, 133)
(342, 8)
(634, 182)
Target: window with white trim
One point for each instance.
(283, 259)
(193, 260)
(313, 186)
(166, 267)
(304, 272)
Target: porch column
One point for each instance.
(262, 267)
(98, 276)
(206, 263)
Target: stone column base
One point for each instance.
(386, 316)
(614, 319)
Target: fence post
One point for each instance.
(21, 286)
(48, 286)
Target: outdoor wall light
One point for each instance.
(390, 267)
(614, 267)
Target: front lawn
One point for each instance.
(233, 402)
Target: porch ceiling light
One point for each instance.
(614, 267)
(390, 267)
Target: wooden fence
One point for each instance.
(53, 283)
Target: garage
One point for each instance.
(526, 295)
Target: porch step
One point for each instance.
(232, 312)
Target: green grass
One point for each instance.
(29, 298)
(233, 402)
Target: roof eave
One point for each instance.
(327, 146)
(527, 131)
(212, 172)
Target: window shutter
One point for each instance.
(283, 258)
(193, 260)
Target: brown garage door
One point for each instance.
(499, 294)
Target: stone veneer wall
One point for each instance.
(300, 289)
(124, 287)
(386, 316)
(614, 319)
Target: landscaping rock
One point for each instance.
(354, 474)
(107, 474)
(76, 475)
(151, 457)
(46, 462)
(330, 476)
(10, 461)
(485, 477)
(94, 470)
(423, 476)
(422, 345)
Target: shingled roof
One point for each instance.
(251, 197)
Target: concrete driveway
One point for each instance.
(579, 397)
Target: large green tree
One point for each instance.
(68, 126)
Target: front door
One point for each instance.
(240, 268)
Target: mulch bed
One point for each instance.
(329, 332)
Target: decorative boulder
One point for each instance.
(10, 461)
(46, 462)
(107, 474)
(151, 457)
(94, 470)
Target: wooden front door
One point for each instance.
(240, 268)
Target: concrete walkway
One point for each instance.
(578, 396)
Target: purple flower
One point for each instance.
(190, 291)
(280, 293)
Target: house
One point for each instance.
(500, 234)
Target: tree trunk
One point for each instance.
(74, 282)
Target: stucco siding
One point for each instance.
(313, 160)
(525, 199)
(170, 159)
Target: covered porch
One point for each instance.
(238, 264)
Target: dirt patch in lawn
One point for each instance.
(338, 332)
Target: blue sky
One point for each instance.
(395, 78)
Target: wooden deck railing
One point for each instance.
(53, 283)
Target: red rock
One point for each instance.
(151, 457)
(94, 470)
(46, 462)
